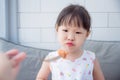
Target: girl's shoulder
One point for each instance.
(52, 54)
(90, 54)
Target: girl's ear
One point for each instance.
(56, 28)
(88, 33)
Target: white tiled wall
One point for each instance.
(36, 20)
(3, 19)
(99, 20)
(103, 5)
(29, 5)
(29, 35)
(114, 19)
(57, 5)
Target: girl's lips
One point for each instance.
(70, 44)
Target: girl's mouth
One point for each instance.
(70, 44)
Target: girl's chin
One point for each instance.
(68, 49)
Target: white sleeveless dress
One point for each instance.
(80, 69)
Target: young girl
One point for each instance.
(72, 27)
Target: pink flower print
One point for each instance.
(88, 53)
(74, 70)
(92, 60)
(89, 72)
(61, 74)
(84, 59)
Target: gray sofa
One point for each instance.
(107, 52)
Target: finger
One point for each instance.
(12, 53)
(18, 59)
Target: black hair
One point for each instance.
(74, 15)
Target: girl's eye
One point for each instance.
(78, 32)
(65, 30)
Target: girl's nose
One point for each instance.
(71, 37)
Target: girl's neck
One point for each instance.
(74, 55)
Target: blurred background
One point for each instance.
(32, 22)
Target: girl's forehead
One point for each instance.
(72, 27)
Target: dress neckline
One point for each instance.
(77, 59)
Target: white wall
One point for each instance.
(3, 23)
(37, 18)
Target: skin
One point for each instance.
(74, 35)
(71, 40)
(5, 67)
(9, 64)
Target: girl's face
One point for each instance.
(71, 38)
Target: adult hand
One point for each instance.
(9, 64)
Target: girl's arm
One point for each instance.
(97, 72)
(43, 72)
